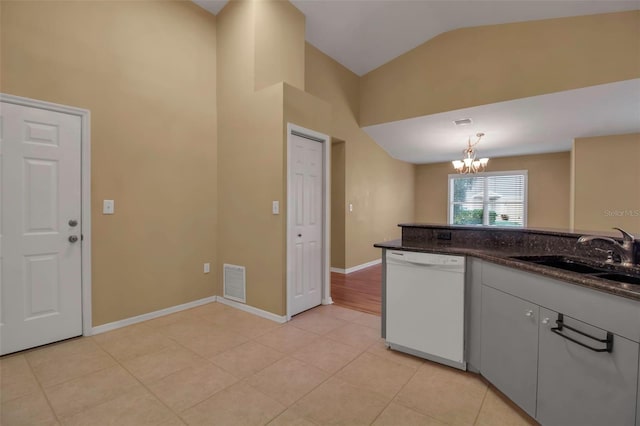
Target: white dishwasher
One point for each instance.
(425, 306)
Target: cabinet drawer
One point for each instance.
(614, 313)
(578, 386)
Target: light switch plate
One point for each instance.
(275, 207)
(207, 268)
(108, 207)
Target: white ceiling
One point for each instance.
(213, 6)
(539, 124)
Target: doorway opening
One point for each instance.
(360, 290)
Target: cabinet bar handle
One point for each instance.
(608, 341)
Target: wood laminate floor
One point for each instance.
(360, 290)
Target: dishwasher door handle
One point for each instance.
(428, 265)
(410, 263)
(445, 267)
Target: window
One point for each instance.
(488, 199)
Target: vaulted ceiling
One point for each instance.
(365, 34)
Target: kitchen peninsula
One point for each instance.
(551, 322)
(504, 246)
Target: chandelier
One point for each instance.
(469, 163)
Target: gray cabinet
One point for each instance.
(578, 386)
(473, 311)
(509, 347)
(555, 380)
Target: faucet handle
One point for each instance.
(627, 237)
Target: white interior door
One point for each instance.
(40, 229)
(306, 223)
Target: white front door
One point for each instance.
(40, 229)
(306, 219)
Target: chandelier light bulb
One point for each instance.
(469, 163)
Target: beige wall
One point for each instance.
(256, 99)
(279, 44)
(482, 65)
(379, 187)
(304, 109)
(250, 176)
(338, 204)
(548, 188)
(235, 52)
(607, 183)
(194, 183)
(146, 71)
(250, 162)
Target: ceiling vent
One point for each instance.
(462, 122)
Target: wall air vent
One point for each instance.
(462, 122)
(235, 283)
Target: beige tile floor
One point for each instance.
(215, 365)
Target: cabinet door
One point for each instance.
(578, 386)
(509, 347)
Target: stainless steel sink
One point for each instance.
(623, 278)
(607, 272)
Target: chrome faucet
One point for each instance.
(626, 250)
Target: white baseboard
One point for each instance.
(252, 310)
(357, 267)
(151, 315)
(173, 309)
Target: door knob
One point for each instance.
(529, 313)
(545, 321)
(73, 222)
(73, 238)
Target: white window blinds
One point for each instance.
(489, 199)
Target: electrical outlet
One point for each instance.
(207, 268)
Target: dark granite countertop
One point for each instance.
(502, 255)
(612, 233)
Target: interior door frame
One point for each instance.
(325, 140)
(85, 167)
